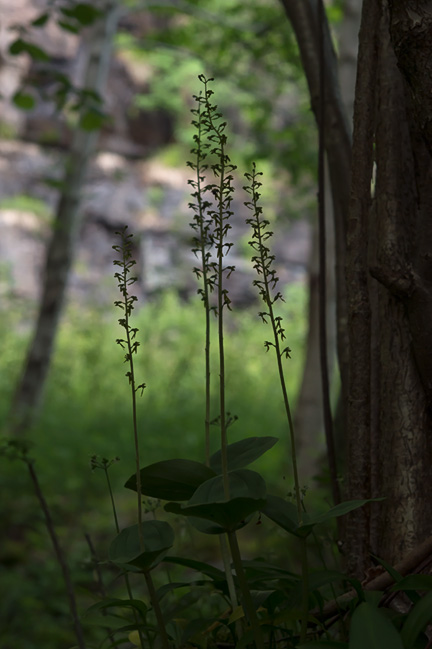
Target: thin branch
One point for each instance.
(328, 420)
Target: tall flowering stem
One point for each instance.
(266, 284)
(219, 213)
(202, 241)
(129, 344)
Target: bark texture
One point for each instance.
(388, 284)
(387, 363)
(61, 248)
(303, 15)
(359, 310)
(404, 228)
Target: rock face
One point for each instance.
(125, 186)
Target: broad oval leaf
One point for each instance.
(282, 513)
(371, 629)
(171, 479)
(158, 537)
(242, 453)
(243, 483)
(247, 495)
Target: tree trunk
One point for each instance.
(390, 427)
(387, 364)
(60, 253)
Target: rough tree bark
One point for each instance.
(387, 366)
(388, 281)
(60, 252)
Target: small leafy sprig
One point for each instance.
(130, 344)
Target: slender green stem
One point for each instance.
(279, 353)
(221, 304)
(263, 262)
(113, 505)
(100, 585)
(134, 419)
(244, 587)
(202, 226)
(131, 346)
(105, 466)
(203, 242)
(59, 554)
(226, 558)
(222, 193)
(155, 603)
(305, 590)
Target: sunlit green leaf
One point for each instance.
(242, 453)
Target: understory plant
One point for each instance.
(240, 602)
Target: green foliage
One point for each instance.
(251, 49)
(25, 203)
